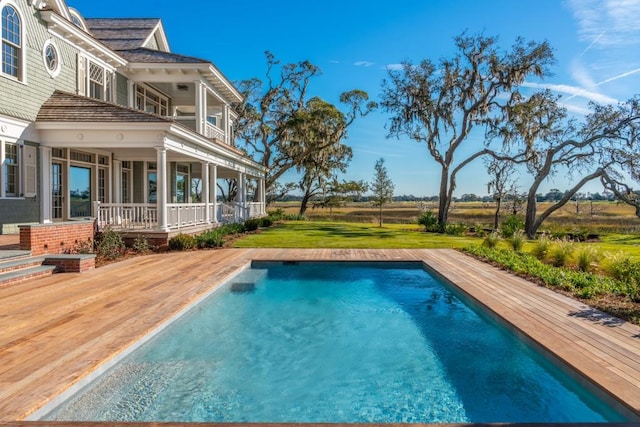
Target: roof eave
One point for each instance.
(63, 27)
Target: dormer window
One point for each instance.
(76, 19)
(12, 39)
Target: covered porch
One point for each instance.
(138, 172)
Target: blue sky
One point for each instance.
(596, 43)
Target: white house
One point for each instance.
(100, 120)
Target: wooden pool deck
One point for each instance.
(55, 331)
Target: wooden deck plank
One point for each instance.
(54, 331)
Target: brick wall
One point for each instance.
(55, 238)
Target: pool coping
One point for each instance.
(478, 280)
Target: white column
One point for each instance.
(132, 94)
(117, 181)
(45, 184)
(3, 189)
(205, 192)
(162, 176)
(225, 124)
(263, 196)
(201, 107)
(214, 190)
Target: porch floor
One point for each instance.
(55, 331)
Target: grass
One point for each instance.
(343, 235)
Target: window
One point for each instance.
(18, 170)
(11, 42)
(11, 170)
(94, 80)
(151, 101)
(51, 58)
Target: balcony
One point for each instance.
(210, 131)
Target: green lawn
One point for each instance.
(311, 234)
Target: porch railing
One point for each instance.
(128, 216)
(144, 216)
(211, 131)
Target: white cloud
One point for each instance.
(577, 109)
(363, 63)
(574, 91)
(607, 23)
(394, 66)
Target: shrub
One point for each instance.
(517, 240)
(560, 252)
(429, 220)
(182, 242)
(586, 258)
(252, 224)
(266, 222)
(510, 225)
(210, 239)
(109, 244)
(455, 229)
(621, 267)
(141, 245)
(233, 228)
(276, 215)
(492, 240)
(583, 284)
(294, 217)
(541, 248)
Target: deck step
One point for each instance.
(15, 276)
(19, 263)
(12, 254)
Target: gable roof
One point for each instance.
(123, 33)
(67, 107)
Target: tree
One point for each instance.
(339, 193)
(502, 183)
(317, 124)
(548, 142)
(626, 157)
(382, 188)
(440, 104)
(272, 109)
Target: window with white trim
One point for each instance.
(12, 42)
(11, 170)
(151, 101)
(18, 170)
(94, 80)
(51, 58)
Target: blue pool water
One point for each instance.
(335, 342)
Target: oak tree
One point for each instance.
(440, 103)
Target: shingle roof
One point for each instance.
(155, 56)
(122, 33)
(67, 107)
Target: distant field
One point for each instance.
(597, 218)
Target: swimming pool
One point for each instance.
(335, 342)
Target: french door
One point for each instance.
(57, 191)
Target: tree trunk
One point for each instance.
(380, 216)
(496, 217)
(530, 213)
(304, 203)
(443, 202)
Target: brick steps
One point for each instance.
(28, 271)
(19, 267)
